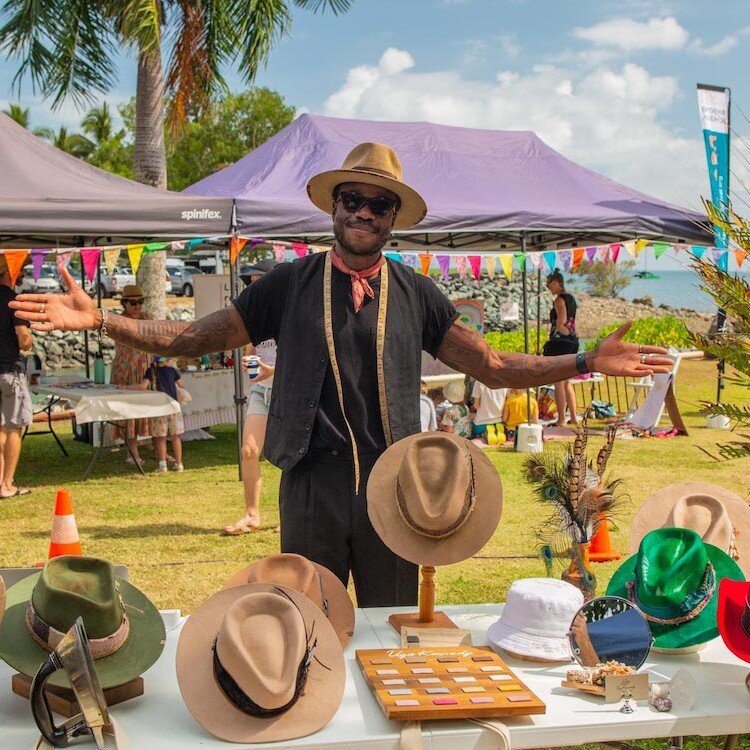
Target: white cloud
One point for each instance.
(606, 118)
(714, 50)
(509, 45)
(628, 34)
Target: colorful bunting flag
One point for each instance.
(721, 259)
(697, 251)
(679, 248)
(111, 258)
(197, 241)
(300, 249)
(739, 256)
(614, 251)
(475, 261)
(604, 254)
(551, 257)
(659, 249)
(134, 256)
(152, 247)
(37, 261)
(591, 254)
(490, 263)
(90, 261)
(425, 259)
(578, 254)
(63, 259)
(14, 259)
(564, 256)
(394, 256)
(460, 261)
(640, 246)
(629, 246)
(535, 259)
(279, 253)
(178, 245)
(235, 248)
(520, 259)
(409, 259)
(444, 261)
(506, 261)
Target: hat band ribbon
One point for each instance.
(693, 604)
(244, 702)
(375, 170)
(49, 638)
(463, 516)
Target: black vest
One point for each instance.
(302, 360)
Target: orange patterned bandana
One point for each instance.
(360, 286)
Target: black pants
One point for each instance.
(324, 520)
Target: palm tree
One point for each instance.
(17, 113)
(97, 124)
(67, 48)
(72, 143)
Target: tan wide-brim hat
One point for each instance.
(371, 164)
(660, 511)
(315, 581)
(434, 498)
(257, 638)
(132, 291)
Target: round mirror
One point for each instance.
(610, 628)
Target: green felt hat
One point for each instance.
(674, 579)
(125, 630)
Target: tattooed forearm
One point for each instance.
(466, 351)
(216, 332)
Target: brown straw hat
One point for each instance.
(132, 291)
(260, 663)
(316, 582)
(371, 164)
(434, 498)
(717, 515)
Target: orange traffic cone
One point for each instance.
(64, 539)
(601, 544)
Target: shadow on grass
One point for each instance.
(131, 532)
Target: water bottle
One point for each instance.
(99, 368)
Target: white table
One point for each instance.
(159, 720)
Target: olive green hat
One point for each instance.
(125, 630)
(674, 580)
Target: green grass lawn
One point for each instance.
(166, 527)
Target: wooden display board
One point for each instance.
(445, 683)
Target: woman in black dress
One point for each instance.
(563, 340)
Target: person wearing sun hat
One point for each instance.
(125, 630)
(260, 663)
(354, 325)
(674, 580)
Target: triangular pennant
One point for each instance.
(535, 259)
(578, 254)
(425, 259)
(520, 259)
(196, 241)
(444, 261)
(475, 261)
(697, 251)
(178, 245)
(640, 246)
(679, 248)
(111, 258)
(394, 256)
(90, 260)
(490, 262)
(279, 253)
(721, 259)
(15, 259)
(235, 248)
(134, 256)
(564, 256)
(63, 259)
(551, 259)
(460, 261)
(739, 256)
(37, 261)
(506, 261)
(409, 259)
(591, 254)
(604, 253)
(614, 252)
(629, 246)
(300, 249)
(152, 247)
(660, 248)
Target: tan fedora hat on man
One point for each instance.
(132, 291)
(260, 663)
(434, 498)
(717, 515)
(315, 581)
(371, 164)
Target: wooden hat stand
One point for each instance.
(427, 617)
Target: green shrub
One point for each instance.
(512, 341)
(667, 331)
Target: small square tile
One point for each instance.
(509, 688)
(456, 670)
(491, 668)
(500, 677)
(416, 659)
(464, 679)
(437, 691)
(473, 689)
(399, 691)
(407, 702)
(519, 698)
(394, 682)
(445, 701)
(447, 659)
(429, 680)
(483, 699)
(386, 671)
(380, 661)
(422, 670)
(483, 657)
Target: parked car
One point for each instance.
(182, 279)
(113, 283)
(47, 283)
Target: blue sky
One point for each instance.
(609, 84)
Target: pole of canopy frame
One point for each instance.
(85, 333)
(539, 309)
(239, 380)
(525, 319)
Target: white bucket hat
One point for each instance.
(536, 619)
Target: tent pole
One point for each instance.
(525, 320)
(239, 380)
(538, 309)
(85, 333)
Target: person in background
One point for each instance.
(563, 340)
(129, 367)
(516, 411)
(15, 401)
(488, 405)
(427, 413)
(256, 419)
(456, 418)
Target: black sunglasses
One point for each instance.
(352, 201)
(133, 302)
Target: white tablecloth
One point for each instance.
(212, 402)
(159, 719)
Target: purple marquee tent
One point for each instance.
(477, 184)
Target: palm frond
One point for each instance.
(335, 6)
(259, 25)
(138, 22)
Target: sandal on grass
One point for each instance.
(19, 492)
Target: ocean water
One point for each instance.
(673, 288)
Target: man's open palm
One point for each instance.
(617, 357)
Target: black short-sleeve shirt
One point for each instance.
(261, 306)
(10, 354)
